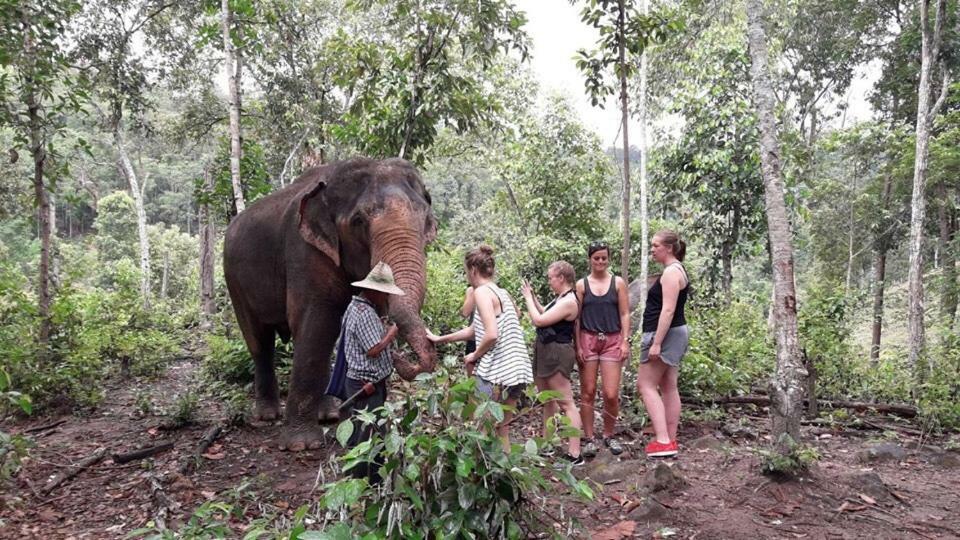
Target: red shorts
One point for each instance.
(602, 347)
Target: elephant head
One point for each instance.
(362, 211)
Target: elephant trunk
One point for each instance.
(402, 248)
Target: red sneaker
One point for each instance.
(659, 449)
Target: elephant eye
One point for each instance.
(357, 220)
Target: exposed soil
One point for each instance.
(867, 483)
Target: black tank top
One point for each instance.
(600, 313)
(651, 313)
(560, 332)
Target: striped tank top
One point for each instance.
(508, 362)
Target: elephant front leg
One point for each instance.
(308, 380)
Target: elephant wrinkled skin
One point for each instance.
(289, 260)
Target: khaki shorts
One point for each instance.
(553, 357)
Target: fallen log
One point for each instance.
(74, 470)
(904, 411)
(142, 453)
(45, 427)
(208, 437)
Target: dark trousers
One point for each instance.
(362, 432)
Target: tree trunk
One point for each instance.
(788, 383)
(625, 116)
(948, 296)
(54, 249)
(208, 237)
(165, 275)
(880, 266)
(39, 154)
(126, 167)
(232, 62)
(850, 223)
(644, 218)
(929, 45)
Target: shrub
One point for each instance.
(445, 473)
(729, 353)
(939, 394)
(13, 448)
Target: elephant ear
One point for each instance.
(317, 226)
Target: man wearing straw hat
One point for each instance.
(366, 345)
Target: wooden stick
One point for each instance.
(45, 426)
(142, 453)
(74, 470)
(208, 437)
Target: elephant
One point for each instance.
(288, 262)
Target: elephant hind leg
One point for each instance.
(261, 342)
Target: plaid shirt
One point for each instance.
(362, 330)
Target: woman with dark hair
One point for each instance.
(665, 341)
(500, 362)
(553, 351)
(602, 345)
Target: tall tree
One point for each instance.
(232, 65)
(787, 388)
(930, 48)
(643, 111)
(624, 35)
(37, 89)
(208, 237)
(122, 78)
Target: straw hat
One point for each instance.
(380, 279)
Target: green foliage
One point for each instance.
(13, 448)
(444, 470)
(796, 461)
(116, 226)
(939, 395)
(730, 351)
(253, 172)
(620, 24)
(210, 520)
(711, 171)
(824, 329)
(228, 361)
(185, 409)
(418, 67)
(96, 332)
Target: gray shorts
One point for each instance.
(672, 349)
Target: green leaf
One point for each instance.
(344, 432)
(344, 493)
(466, 495)
(340, 531)
(393, 442)
(530, 447)
(465, 465)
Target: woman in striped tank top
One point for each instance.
(501, 361)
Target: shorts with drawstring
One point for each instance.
(599, 346)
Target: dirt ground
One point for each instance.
(883, 482)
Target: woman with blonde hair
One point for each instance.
(665, 341)
(554, 352)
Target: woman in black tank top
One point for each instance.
(602, 346)
(665, 341)
(553, 351)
